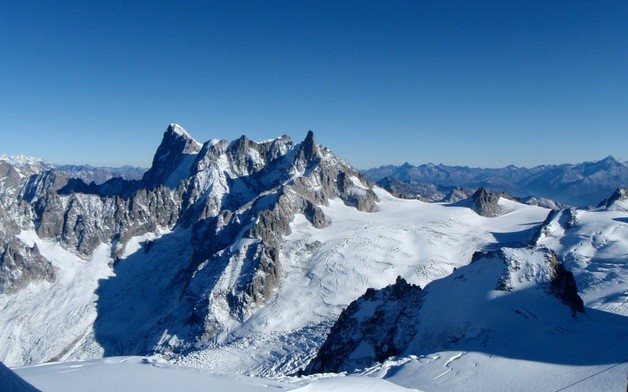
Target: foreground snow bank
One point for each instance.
(135, 374)
(441, 371)
(151, 374)
(351, 384)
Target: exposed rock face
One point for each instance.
(456, 195)
(26, 166)
(563, 285)
(618, 200)
(556, 220)
(486, 203)
(558, 281)
(20, 265)
(265, 186)
(235, 200)
(173, 159)
(542, 202)
(376, 326)
(82, 220)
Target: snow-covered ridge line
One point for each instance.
(22, 159)
(225, 207)
(179, 130)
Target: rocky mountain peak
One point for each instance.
(485, 203)
(179, 130)
(230, 203)
(308, 150)
(175, 155)
(609, 160)
(581, 184)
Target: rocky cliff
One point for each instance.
(232, 201)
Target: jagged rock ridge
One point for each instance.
(235, 200)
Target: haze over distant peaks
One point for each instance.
(582, 184)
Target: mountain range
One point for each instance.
(278, 258)
(86, 173)
(583, 184)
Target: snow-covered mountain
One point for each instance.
(214, 215)
(240, 256)
(479, 307)
(516, 304)
(27, 166)
(583, 184)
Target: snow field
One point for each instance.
(325, 269)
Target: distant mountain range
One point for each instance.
(582, 184)
(553, 186)
(86, 173)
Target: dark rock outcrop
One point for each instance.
(617, 201)
(486, 203)
(21, 265)
(374, 327)
(175, 156)
(563, 286)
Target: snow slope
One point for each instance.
(54, 321)
(495, 324)
(137, 374)
(53, 312)
(132, 296)
(594, 246)
(325, 269)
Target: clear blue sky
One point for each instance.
(477, 83)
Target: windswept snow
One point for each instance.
(137, 374)
(495, 325)
(507, 340)
(54, 321)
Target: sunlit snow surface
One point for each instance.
(324, 270)
(137, 374)
(594, 246)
